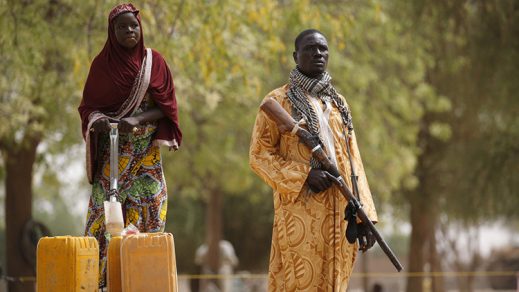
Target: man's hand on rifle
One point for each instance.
(365, 237)
(318, 181)
(358, 231)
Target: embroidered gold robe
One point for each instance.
(309, 249)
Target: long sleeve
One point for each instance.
(285, 175)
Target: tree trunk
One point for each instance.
(424, 202)
(214, 230)
(19, 162)
(418, 241)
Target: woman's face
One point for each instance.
(127, 30)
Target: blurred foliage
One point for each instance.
(474, 50)
(185, 219)
(468, 151)
(248, 223)
(484, 93)
(37, 90)
(226, 55)
(58, 217)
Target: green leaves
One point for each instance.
(395, 62)
(225, 56)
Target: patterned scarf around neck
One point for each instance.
(320, 87)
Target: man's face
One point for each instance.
(312, 54)
(127, 30)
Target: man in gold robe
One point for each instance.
(309, 249)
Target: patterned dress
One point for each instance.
(141, 186)
(309, 250)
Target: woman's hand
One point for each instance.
(101, 126)
(127, 125)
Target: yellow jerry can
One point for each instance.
(148, 263)
(67, 264)
(113, 268)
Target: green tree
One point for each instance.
(227, 55)
(461, 167)
(430, 85)
(38, 92)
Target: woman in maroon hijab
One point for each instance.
(133, 86)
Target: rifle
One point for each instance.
(286, 123)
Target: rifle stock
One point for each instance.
(286, 123)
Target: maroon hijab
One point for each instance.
(112, 75)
